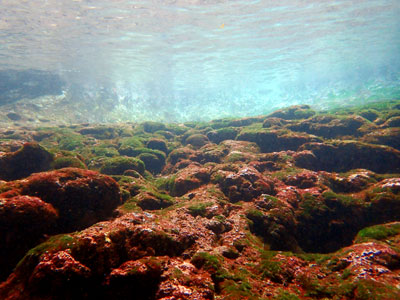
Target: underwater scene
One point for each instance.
(200, 150)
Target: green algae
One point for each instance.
(118, 165)
(285, 295)
(152, 127)
(206, 261)
(130, 205)
(196, 140)
(152, 162)
(343, 199)
(66, 162)
(378, 232)
(269, 268)
(233, 290)
(166, 183)
(53, 244)
(199, 209)
(367, 289)
(289, 171)
(134, 142)
(104, 150)
(310, 206)
(69, 140)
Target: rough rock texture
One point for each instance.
(330, 127)
(29, 159)
(81, 197)
(294, 205)
(24, 221)
(347, 155)
(271, 141)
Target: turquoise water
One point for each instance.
(191, 60)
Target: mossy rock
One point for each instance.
(118, 165)
(166, 183)
(293, 112)
(67, 162)
(71, 142)
(342, 156)
(222, 134)
(180, 153)
(197, 140)
(199, 209)
(177, 129)
(165, 134)
(285, 295)
(274, 122)
(153, 163)
(153, 126)
(138, 151)
(30, 158)
(104, 150)
(393, 122)
(275, 140)
(378, 232)
(206, 261)
(329, 126)
(153, 200)
(133, 142)
(157, 144)
(387, 136)
(53, 244)
(369, 114)
(99, 132)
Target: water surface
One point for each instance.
(191, 59)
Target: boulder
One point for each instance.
(81, 197)
(342, 156)
(29, 159)
(24, 221)
(275, 140)
(329, 126)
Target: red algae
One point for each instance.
(222, 219)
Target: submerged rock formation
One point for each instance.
(248, 208)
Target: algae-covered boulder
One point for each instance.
(392, 122)
(329, 126)
(81, 197)
(153, 126)
(275, 140)
(98, 262)
(153, 200)
(387, 136)
(244, 185)
(222, 134)
(29, 159)
(118, 165)
(157, 144)
(99, 132)
(180, 154)
(197, 140)
(24, 221)
(67, 162)
(342, 156)
(369, 114)
(153, 163)
(104, 150)
(293, 112)
(188, 179)
(274, 122)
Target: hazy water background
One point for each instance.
(192, 59)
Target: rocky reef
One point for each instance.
(294, 205)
